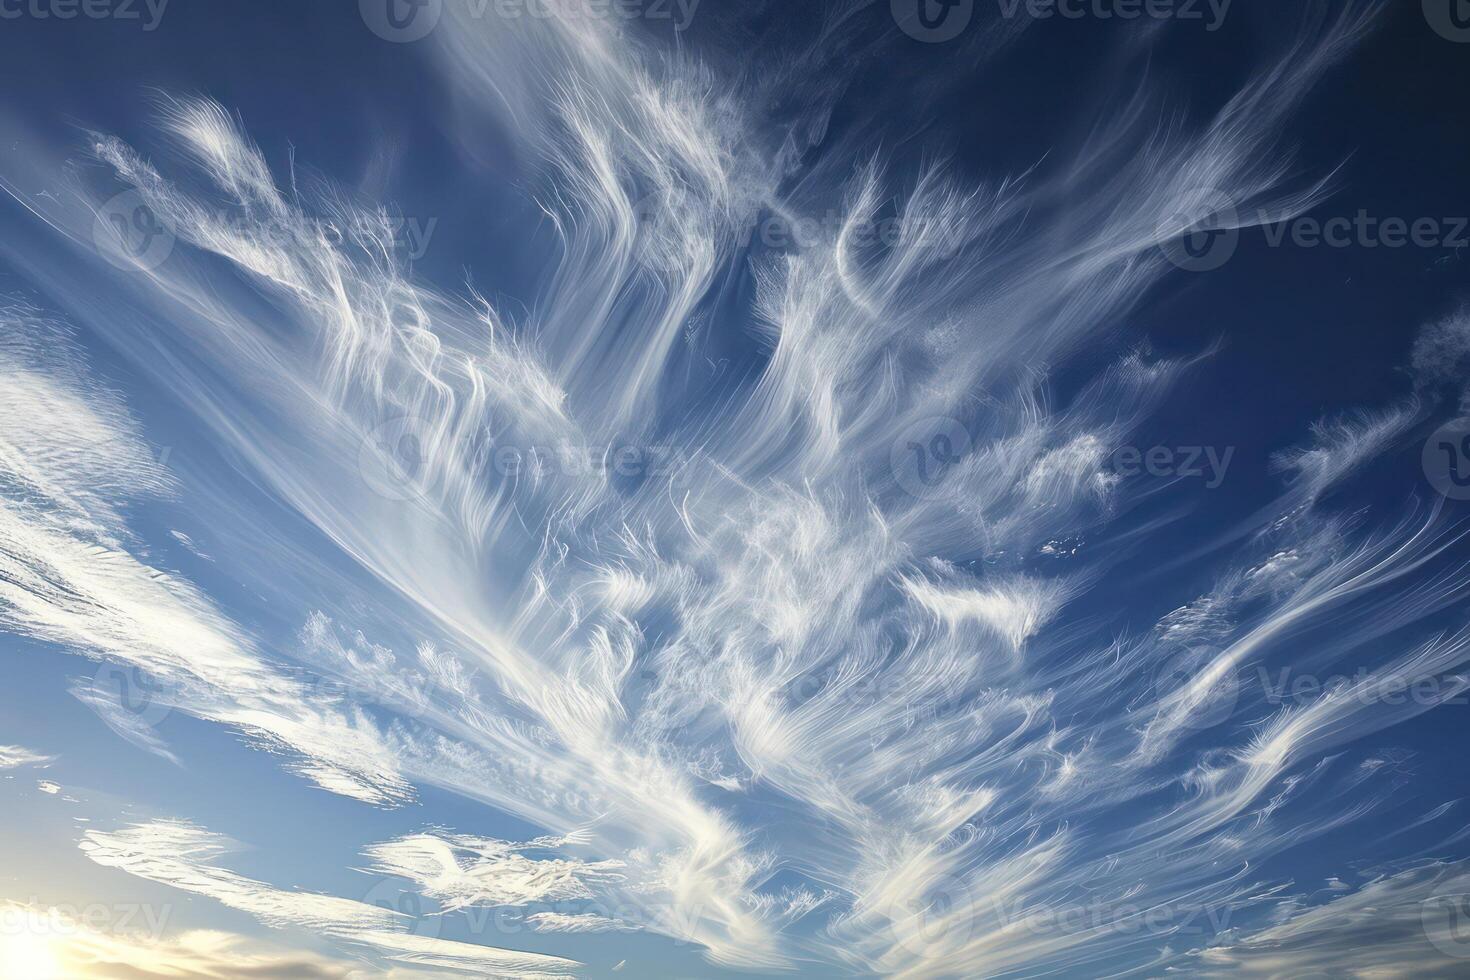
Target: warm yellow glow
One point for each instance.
(30, 956)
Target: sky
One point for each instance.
(686, 489)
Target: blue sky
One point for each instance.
(710, 489)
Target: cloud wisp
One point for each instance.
(184, 856)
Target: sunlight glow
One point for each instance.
(28, 955)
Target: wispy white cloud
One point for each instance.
(462, 871)
(575, 922)
(184, 856)
(14, 756)
(70, 579)
(1409, 923)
